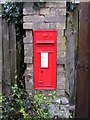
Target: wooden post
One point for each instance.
(0, 57)
(9, 55)
(82, 72)
(6, 58)
(89, 63)
(0, 52)
(12, 51)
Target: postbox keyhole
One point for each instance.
(41, 71)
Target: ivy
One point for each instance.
(13, 12)
(70, 6)
(18, 105)
(37, 4)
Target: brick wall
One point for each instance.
(49, 16)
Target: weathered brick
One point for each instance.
(41, 26)
(27, 25)
(51, 19)
(61, 53)
(29, 11)
(44, 11)
(27, 39)
(55, 18)
(28, 53)
(29, 79)
(37, 12)
(52, 11)
(61, 75)
(60, 69)
(60, 93)
(27, 59)
(61, 47)
(29, 82)
(61, 40)
(61, 57)
(60, 11)
(33, 18)
(50, 4)
(61, 87)
(52, 25)
(29, 72)
(60, 33)
(60, 81)
(61, 4)
(28, 85)
(61, 60)
(30, 67)
(27, 5)
(61, 26)
(27, 46)
(61, 18)
(28, 33)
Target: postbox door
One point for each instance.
(45, 77)
(45, 59)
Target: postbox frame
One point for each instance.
(54, 42)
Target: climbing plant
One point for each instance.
(37, 4)
(13, 12)
(70, 6)
(18, 105)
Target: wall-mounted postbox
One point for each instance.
(45, 57)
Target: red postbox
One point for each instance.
(45, 59)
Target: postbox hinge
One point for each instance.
(84, 67)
